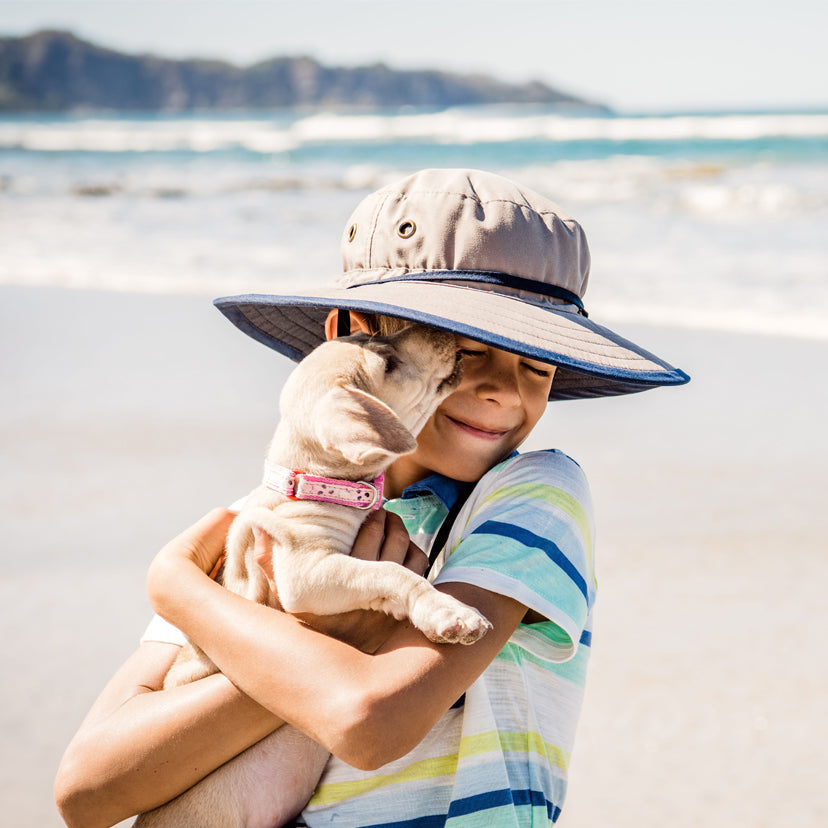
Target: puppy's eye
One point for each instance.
(392, 362)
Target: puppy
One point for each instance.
(347, 411)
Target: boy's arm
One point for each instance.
(366, 709)
(138, 748)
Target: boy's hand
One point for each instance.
(201, 546)
(383, 537)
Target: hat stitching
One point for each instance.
(600, 351)
(516, 317)
(629, 364)
(558, 213)
(374, 223)
(514, 314)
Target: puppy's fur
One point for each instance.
(347, 411)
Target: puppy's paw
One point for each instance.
(390, 606)
(448, 621)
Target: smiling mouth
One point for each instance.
(484, 433)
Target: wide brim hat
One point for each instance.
(472, 253)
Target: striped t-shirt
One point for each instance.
(501, 757)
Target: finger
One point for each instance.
(263, 550)
(396, 542)
(214, 572)
(416, 560)
(368, 543)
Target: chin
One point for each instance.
(467, 473)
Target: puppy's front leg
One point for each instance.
(267, 786)
(330, 583)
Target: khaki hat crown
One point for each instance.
(468, 222)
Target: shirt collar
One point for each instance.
(447, 490)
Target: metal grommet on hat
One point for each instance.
(406, 229)
(352, 232)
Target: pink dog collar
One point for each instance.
(300, 486)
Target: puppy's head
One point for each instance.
(355, 403)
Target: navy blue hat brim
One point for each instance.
(591, 360)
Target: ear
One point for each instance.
(360, 427)
(357, 320)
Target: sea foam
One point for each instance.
(707, 221)
(462, 126)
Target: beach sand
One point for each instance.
(125, 417)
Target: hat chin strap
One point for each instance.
(343, 323)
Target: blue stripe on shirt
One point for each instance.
(527, 538)
(435, 821)
(478, 804)
(497, 799)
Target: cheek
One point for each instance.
(535, 405)
(428, 438)
(537, 411)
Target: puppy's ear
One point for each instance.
(360, 427)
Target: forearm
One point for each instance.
(283, 664)
(154, 746)
(344, 699)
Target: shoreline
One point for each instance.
(127, 416)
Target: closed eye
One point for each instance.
(541, 372)
(392, 362)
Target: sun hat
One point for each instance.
(476, 254)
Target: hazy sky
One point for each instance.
(630, 54)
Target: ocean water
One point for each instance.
(709, 220)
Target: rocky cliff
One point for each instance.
(56, 71)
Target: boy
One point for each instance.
(421, 734)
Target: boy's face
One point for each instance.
(497, 404)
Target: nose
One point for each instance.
(498, 380)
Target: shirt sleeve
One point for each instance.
(527, 532)
(160, 630)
